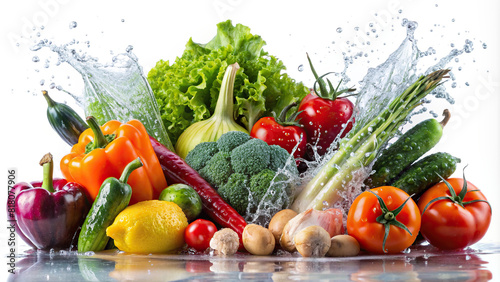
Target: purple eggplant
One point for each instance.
(50, 213)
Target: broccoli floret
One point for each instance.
(217, 169)
(201, 154)
(251, 157)
(261, 183)
(242, 168)
(278, 159)
(235, 192)
(232, 139)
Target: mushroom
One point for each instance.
(343, 246)
(225, 242)
(279, 220)
(258, 240)
(312, 241)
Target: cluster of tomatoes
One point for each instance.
(451, 215)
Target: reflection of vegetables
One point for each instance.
(219, 123)
(384, 220)
(408, 148)
(176, 170)
(359, 148)
(426, 173)
(282, 131)
(50, 213)
(64, 120)
(104, 152)
(243, 169)
(114, 195)
(187, 90)
(455, 214)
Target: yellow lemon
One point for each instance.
(149, 227)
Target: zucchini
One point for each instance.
(407, 149)
(113, 197)
(425, 173)
(64, 120)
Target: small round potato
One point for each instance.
(343, 246)
(258, 240)
(278, 222)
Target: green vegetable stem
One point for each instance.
(359, 148)
(220, 122)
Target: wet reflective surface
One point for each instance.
(422, 263)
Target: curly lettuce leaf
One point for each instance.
(187, 90)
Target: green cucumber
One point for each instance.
(425, 173)
(113, 197)
(407, 149)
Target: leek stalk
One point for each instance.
(359, 148)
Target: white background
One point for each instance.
(290, 28)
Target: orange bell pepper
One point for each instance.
(103, 152)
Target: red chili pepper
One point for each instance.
(176, 170)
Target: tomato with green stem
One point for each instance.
(455, 214)
(324, 114)
(384, 220)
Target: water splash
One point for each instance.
(117, 90)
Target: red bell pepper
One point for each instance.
(50, 213)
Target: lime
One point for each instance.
(185, 197)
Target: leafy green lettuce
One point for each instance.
(187, 90)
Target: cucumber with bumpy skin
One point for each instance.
(113, 197)
(425, 173)
(407, 149)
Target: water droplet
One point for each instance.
(356, 28)
(129, 48)
(400, 11)
(466, 83)
(42, 82)
(36, 59)
(339, 29)
(72, 25)
(300, 68)
(485, 46)
(123, 20)
(452, 20)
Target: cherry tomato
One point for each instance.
(369, 215)
(199, 233)
(454, 217)
(286, 133)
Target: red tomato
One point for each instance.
(368, 217)
(287, 137)
(324, 119)
(199, 233)
(453, 221)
